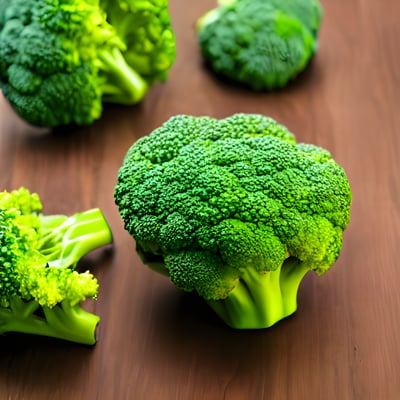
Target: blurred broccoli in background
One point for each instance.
(262, 44)
(60, 60)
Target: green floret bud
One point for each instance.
(214, 204)
(50, 286)
(145, 29)
(21, 200)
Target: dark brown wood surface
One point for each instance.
(155, 342)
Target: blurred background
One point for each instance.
(155, 342)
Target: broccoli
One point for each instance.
(235, 211)
(41, 290)
(61, 60)
(262, 44)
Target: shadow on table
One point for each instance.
(190, 337)
(28, 361)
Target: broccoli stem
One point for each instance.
(66, 322)
(66, 240)
(261, 300)
(226, 3)
(123, 85)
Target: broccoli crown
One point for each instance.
(262, 44)
(38, 256)
(145, 29)
(47, 54)
(207, 199)
(60, 60)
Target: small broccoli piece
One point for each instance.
(262, 44)
(41, 290)
(144, 28)
(61, 60)
(235, 210)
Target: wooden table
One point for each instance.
(155, 342)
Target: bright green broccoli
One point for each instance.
(234, 210)
(40, 287)
(262, 44)
(60, 60)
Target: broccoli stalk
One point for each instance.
(63, 321)
(123, 85)
(65, 240)
(260, 300)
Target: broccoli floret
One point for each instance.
(262, 44)
(41, 290)
(145, 29)
(61, 60)
(235, 210)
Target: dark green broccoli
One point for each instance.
(60, 60)
(40, 287)
(260, 43)
(234, 210)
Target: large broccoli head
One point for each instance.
(218, 204)
(260, 43)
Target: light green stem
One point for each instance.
(261, 300)
(71, 323)
(68, 239)
(123, 85)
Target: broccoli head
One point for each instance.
(235, 210)
(60, 60)
(262, 44)
(40, 286)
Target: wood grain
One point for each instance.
(157, 343)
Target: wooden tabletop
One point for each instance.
(155, 342)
